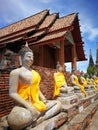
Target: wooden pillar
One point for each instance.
(74, 57)
(61, 54)
(41, 59)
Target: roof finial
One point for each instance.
(26, 44)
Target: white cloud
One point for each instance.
(14, 10)
(88, 28)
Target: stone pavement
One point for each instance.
(86, 120)
(94, 124)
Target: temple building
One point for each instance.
(96, 57)
(52, 38)
(91, 61)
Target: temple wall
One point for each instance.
(47, 83)
(6, 103)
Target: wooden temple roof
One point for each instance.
(23, 24)
(48, 21)
(44, 28)
(49, 38)
(63, 23)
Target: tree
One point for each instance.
(92, 70)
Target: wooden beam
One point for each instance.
(74, 57)
(61, 54)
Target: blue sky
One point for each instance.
(14, 10)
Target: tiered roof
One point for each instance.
(44, 28)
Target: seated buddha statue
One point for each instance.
(83, 81)
(60, 84)
(91, 82)
(75, 82)
(31, 107)
(94, 80)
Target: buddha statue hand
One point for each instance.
(34, 112)
(45, 101)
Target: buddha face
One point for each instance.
(60, 69)
(28, 59)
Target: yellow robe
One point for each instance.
(84, 84)
(78, 84)
(91, 82)
(96, 80)
(32, 92)
(59, 81)
(94, 83)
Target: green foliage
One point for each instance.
(92, 70)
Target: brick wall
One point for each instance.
(6, 103)
(46, 86)
(47, 82)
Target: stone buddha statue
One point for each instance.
(94, 80)
(60, 84)
(75, 83)
(31, 106)
(91, 82)
(83, 81)
(62, 92)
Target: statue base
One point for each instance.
(80, 95)
(52, 123)
(90, 92)
(68, 100)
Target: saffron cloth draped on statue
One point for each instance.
(31, 92)
(59, 81)
(78, 84)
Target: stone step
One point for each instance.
(81, 120)
(52, 123)
(94, 123)
(78, 107)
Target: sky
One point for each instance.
(14, 10)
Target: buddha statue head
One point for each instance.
(59, 68)
(26, 55)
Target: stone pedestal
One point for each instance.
(90, 92)
(52, 123)
(67, 100)
(80, 95)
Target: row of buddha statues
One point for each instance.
(31, 107)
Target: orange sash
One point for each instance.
(59, 81)
(32, 92)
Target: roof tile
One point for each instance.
(63, 22)
(48, 21)
(50, 37)
(23, 24)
